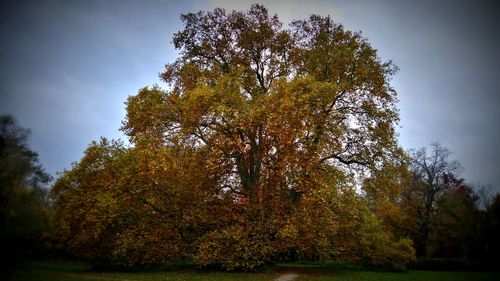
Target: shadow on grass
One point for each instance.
(55, 265)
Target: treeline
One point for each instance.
(24, 203)
(128, 206)
(270, 144)
(443, 215)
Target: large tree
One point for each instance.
(273, 106)
(280, 121)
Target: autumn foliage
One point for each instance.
(268, 143)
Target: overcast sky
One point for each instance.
(67, 67)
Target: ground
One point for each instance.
(45, 271)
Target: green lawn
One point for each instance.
(47, 271)
(45, 275)
(402, 276)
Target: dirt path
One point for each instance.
(287, 276)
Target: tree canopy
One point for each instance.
(257, 150)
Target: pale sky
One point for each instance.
(67, 67)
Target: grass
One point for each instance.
(401, 276)
(67, 271)
(59, 271)
(351, 272)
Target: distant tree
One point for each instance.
(431, 176)
(23, 193)
(491, 244)
(276, 122)
(458, 223)
(486, 195)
